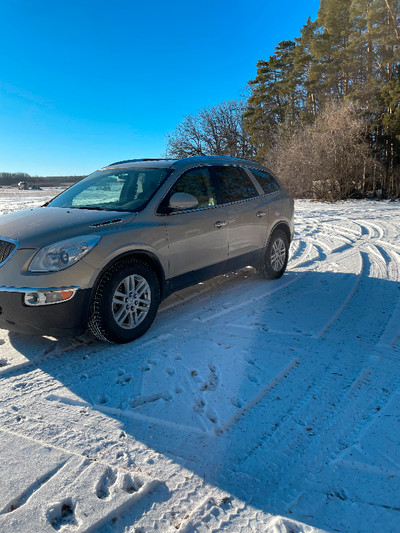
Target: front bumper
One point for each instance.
(64, 319)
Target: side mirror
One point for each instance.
(180, 201)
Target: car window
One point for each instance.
(107, 189)
(234, 184)
(113, 190)
(198, 183)
(267, 182)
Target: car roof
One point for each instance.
(178, 163)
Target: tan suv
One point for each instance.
(107, 250)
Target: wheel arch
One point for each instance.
(283, 226)
(266, 268)
(144, 256)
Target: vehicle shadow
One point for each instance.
(242, 386)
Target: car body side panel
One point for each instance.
(247, 231)
(281, 211)
(194, 242)
(146, 235)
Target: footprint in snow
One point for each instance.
(102, 399)
(212, 416)
(237, 402)
(105, 483)
(199, 406)
(212, 380)
(123, 380)
(253, 378)
(194, 374)
(131, 484)
(62, 514)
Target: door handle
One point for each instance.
(220, 223)
(261, 214)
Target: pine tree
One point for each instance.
(274, 99)
(350, 53)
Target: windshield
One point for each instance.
(113, 190)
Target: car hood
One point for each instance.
(34, 228)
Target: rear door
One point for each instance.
(275, 199)
(246, 208)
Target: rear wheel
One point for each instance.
(125, 303)
(276, 256)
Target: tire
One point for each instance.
(125, 303)
(276, 256)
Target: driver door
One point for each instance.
(197, 238)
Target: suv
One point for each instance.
(106, 251)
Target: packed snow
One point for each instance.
(249, 406)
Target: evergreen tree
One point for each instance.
(330, 48)
(274, 96)
(350, 53)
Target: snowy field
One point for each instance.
(249, 406)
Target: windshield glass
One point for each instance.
(113, 190)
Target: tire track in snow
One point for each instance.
(318, 256)
(298, 448)
(286, 426)
(374, 231)
(258, 398)
(278, 285)
(307, 253)
(346, 302)
(371, 295)
(215, 511)
(23, 498)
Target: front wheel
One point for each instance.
(276, 256)
(125, 303)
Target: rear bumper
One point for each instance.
(64, 319)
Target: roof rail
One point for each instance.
(227, 157)
(135, 160)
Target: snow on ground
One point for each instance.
(11, 199)
(249, 406)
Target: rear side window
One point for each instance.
(234, 184)
(267, 182)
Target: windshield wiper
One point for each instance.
(90, 207)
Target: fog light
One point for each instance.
(48, 297)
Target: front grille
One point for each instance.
(6, 249)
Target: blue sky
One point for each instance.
(84, 83)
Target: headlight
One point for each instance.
(63, 254)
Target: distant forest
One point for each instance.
(323, 112)
(13, 178)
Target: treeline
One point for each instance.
(323, 111)
(13, 178)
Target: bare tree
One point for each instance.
(329, 159)
(212, 131)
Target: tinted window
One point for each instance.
(198, 183)
(234, 184)
(267, 182)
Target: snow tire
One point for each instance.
(105, 322)
(276, 256)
